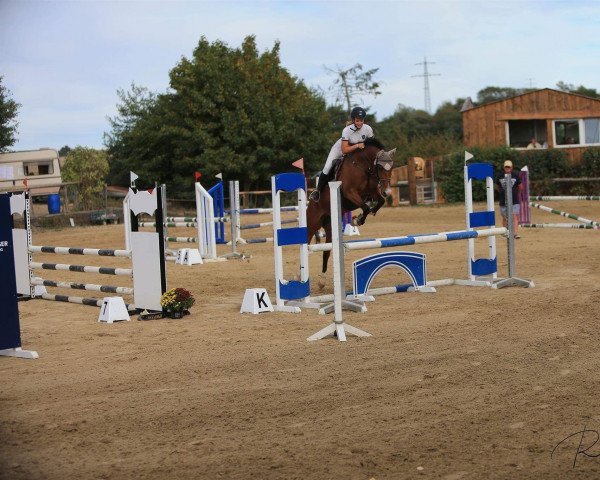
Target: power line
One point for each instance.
(426, 76)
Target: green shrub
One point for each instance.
(89, 167)
(543, 165)
(450, 171)
(590, 162)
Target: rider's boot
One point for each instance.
(321, 182)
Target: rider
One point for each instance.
(353, 138)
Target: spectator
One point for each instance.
(516, 188)
(533, 144)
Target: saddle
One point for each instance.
(337, 164)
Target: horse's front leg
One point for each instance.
(360, 220)
(379, 204)
(368, 208)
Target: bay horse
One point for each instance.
(365, 176)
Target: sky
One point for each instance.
(64, 61)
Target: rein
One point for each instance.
(373, 170)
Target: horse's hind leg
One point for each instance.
(326, 254)
(314, 221)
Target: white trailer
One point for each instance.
(40, 167)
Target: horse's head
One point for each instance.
(384, 162)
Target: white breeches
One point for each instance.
(329, 165)
(334, 154)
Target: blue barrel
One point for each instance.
(54, 203)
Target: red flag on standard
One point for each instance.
(25, 183)
(197, 176)
(299, 164)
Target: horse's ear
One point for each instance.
(391, 153)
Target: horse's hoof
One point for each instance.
(322, 282)
(354, 222)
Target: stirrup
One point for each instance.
(315, 196)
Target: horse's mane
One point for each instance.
(372, 141)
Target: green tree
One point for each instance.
(338, 118)
(581, 90)
(8, 114)
(235, 111)
(353, 82)
(405, 122)
(89, 167)
(128, 140)
(448, 118)
(64, 151)
(492, 94)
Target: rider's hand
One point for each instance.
(360, 146)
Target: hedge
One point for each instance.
(544, 165)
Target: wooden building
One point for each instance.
(556, 119)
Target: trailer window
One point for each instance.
(39, 168)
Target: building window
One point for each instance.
(520, 132)
(582, 131)
(592, 130)
(566, 132)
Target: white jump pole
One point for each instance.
(205, 216)
(339, 291)
(234, 220)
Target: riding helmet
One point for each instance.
(358, 112)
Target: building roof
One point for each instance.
(534, 92)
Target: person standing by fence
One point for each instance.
(516, 188)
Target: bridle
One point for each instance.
(382, 162)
